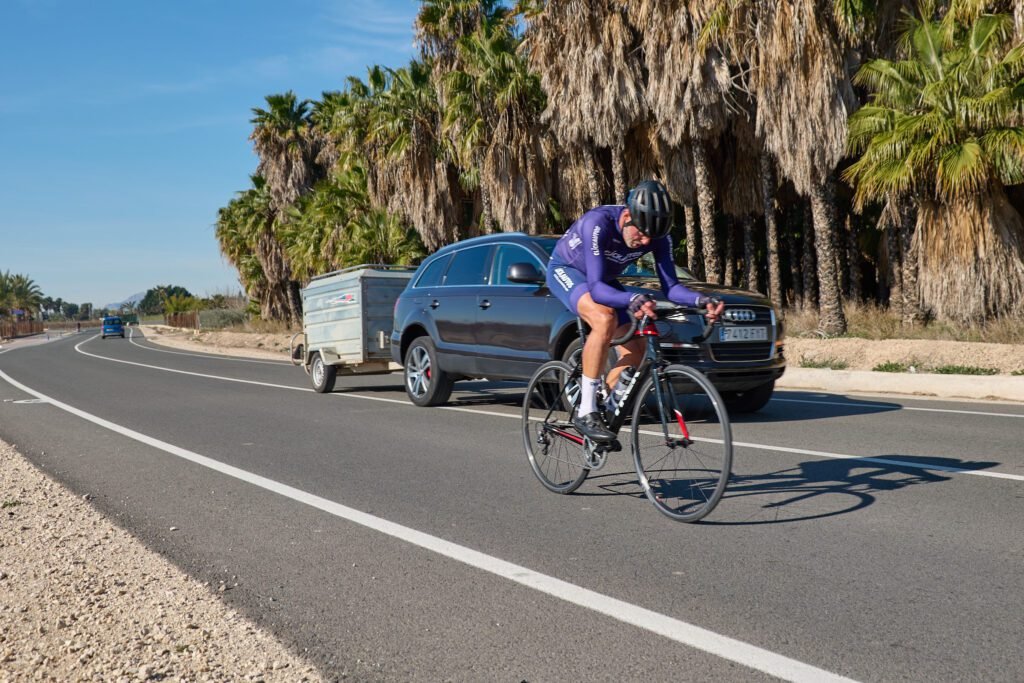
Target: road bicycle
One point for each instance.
(680, 436)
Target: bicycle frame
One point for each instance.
(650, 364)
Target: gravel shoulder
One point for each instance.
(83, 600)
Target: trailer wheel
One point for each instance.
(323, 375)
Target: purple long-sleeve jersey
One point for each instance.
(594, 246)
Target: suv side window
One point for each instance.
(506, 255)
(431, 275)
(468, 267)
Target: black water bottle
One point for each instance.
(616, 395)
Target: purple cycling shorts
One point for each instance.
(568, 284)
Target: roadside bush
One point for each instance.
(824, 363)
(964, 370)
(1018, 373)
(891, 366)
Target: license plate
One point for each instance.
(731, 334)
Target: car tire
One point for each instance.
(426, 384)
(749, 401)
(573, 355)
(322, 374)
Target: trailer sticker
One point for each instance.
(345, 299)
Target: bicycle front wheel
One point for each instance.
(553, 445)
(682, 443)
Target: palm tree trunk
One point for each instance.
(912, 313)
(794, 258)
(730, 252)
(694, 261)
(295, 304)
(1018, 21)
(589, 162)
(706, 207)
(486, 223)
(892, 246)
(771, 231)
(839, 247)
(751, 272)
(853, 261)
(619, 173)
(832, 321)
(808, 265)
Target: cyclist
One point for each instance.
(582, 274)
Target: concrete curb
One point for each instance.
(921, 384)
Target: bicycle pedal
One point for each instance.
(614, 446)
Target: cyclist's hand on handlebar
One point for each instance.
(714, 307)
(642, 305)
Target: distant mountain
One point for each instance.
(132, 300)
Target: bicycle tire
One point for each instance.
(548, 434)
(684, 462)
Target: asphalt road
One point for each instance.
(871, 538)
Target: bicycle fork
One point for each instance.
(677, 414)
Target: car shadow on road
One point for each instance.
(801, 406)
(816, 489)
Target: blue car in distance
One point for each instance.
(112, 327)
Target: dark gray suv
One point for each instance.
(480, 309)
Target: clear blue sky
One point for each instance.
(124, 126)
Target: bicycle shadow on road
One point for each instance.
(817, 489)
(801, 406)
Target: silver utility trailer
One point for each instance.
(346, 322)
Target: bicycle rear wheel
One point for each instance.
(553, 445)
(682, 443)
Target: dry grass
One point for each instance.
(868, 321)
(261, 326)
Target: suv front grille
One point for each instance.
(684, 356)
(741, 351)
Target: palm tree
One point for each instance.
(22, 293)
(282, 137)
(944, 126)
(410, 154)
(585, 54)
(379, 237)
(6, 293)
(246, 228)
(492, 107)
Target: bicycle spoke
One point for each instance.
(682, 444)
(553, 445)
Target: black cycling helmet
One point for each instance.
(650, 209)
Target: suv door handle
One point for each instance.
(435, 303)
(485, 304)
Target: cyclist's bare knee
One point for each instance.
(601, 319)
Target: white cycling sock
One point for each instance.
(588, 398)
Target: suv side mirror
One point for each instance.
(525, 273)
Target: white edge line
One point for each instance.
(901, 407)
(674, 629)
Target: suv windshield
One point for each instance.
(645, 268)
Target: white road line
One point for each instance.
(187, 372)
(218, 356)
(763, 447)
(901, 407)
(674, 629)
